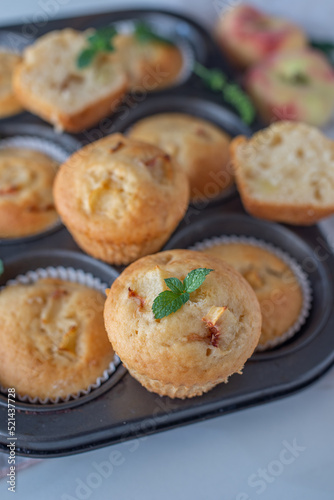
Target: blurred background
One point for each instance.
(316, 17)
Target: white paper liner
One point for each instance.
(289, 261)
(77, 276)
(56, 152)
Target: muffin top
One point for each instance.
(52, 338)
(206, 340)
(124, 188)
(8, 63)
(276, 287)
(199, 147)
(150, 65)
(26, 201)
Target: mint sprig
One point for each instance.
(232, 93)
(99, 41)
(144, 34)
(171, 300)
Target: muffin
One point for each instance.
(150, 65)
(50, 84)
(195, 348)
(26, 201)
(52, 338)
(285, 173)
(9, 105)
(277, 288)
(199, 147)
(120, 198)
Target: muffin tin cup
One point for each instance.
(293, 266)
(12, 41)
(75, 275)
(44, 140)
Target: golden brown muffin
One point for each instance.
(285, 173)
(199, 147)
(120, 198)
(52, 339)
(49, 83)
(149, 65)
(26, 201)
(9, 105)
(195, 348)
(276, 287)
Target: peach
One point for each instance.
(247, 35)
(297, 85)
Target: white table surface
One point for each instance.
(223, 458)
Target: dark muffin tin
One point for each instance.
(121, 408)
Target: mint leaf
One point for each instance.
(1, 267)
(166, 303)
(175, 285)
(232, 93)
(195, 278)
(86, 57)
(99, 41)
(170, 301)
(144, 34)
(102, 37)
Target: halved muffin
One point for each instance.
(50, 84)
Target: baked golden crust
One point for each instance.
(52, 338)
(151, 65)
(298, 186)
(49, 83)
(276, 287)
(199, 147)
(180, 355)
(26, 201)
(121, 199)
(9, 105)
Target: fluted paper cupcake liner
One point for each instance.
(77, 276)
(290, 262)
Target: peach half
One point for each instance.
(297, 85)
(246, 35)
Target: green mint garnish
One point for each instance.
(232, 93)
(171, 300)
(1, 267)
(144, 34)
(99, 41)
